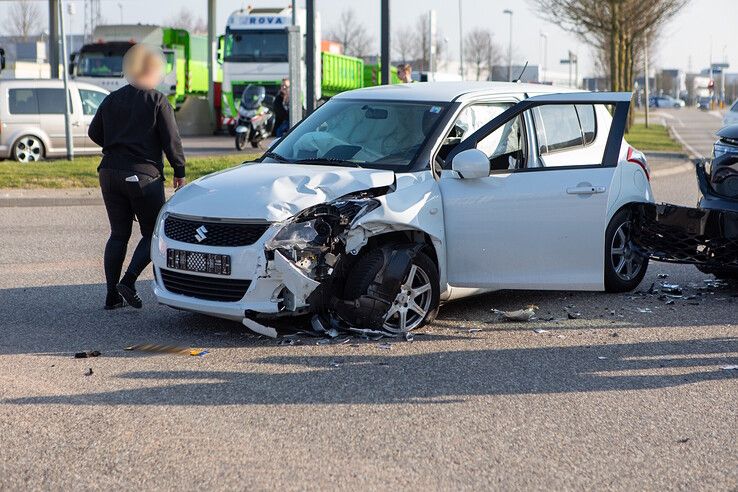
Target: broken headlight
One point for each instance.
(309, 239)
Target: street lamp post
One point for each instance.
(461, 45)
(509, 46)
(544, 36)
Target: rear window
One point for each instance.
(37, 101)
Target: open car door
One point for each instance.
(540, 221)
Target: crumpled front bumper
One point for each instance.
(707, 238)
(276, 285)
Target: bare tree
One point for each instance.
(480, 51)
(24, 19)
(420, 35)
(352, 35)
(184, 19)
(616, 28)
(403, 44)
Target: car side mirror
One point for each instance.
(471, 164)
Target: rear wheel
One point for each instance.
(416, 301)
(28, 148)
(624, 266)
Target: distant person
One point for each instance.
(134, 125)
(282, 109)
(405, 73)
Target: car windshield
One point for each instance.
(93, 64)
(373, 134)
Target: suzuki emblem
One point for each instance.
(201, 233)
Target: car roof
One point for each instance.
(448, 91)
(54, 83)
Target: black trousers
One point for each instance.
(125, 200)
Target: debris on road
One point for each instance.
(384, 346)
(88, 372)
(644, 310)
(86, 355)
(572, 314)
(730, 367)
(663, 275)
(409, 337)
(166, 349)
(540, 330)
(674, 289)
(683, 440)
(526, 314)
(252, 325)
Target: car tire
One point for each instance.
(28, 148)
(624, 267)
(423, 271)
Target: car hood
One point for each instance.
(272, 192)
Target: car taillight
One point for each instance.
(637, 157)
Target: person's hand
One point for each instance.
(178, 183)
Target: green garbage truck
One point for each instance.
(101, 62)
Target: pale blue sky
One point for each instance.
(688, 36)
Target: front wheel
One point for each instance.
(416, 301)
(625, 267)
(240, 141)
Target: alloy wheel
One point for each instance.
(626, 261)
(28, 149)
(412, 303)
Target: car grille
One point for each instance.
(206, 288)
(214, 233)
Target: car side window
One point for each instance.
(22, 101)
(51, 101)
(505, 147)
(563, 134)
(557, 128)
(91, 100)
(469, 120)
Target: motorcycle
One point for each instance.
(255, 118)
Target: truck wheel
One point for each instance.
(28, 148)
(624, 267)
(416, 302)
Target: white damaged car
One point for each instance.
(387, 201)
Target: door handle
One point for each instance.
(585, 190)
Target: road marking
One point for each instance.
(692, 150)
(663, 173)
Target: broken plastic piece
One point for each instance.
(526, 314)
(674, 289)
(540, 330)
(384, 346)
(573, 314)
(409, 337)
(259, 328)
(85, 355)
(88, 372)
(732, 367)
(165, 349)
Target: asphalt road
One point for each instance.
(631, 396)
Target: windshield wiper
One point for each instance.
(327, 160)
(276, 157)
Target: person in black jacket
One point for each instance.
(134, 125)
(282, 109)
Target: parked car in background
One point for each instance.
(32, 118)
(731, 116)
(389, 200)
(665, 102)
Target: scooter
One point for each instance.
(255, 118)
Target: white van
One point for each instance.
(32, 118)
